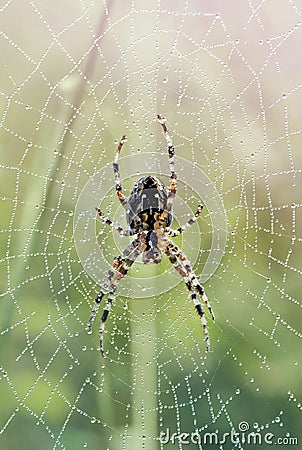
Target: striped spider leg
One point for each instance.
(117, 178)
(184, 268)
(114, 225)
(181, 229)
(171, 153)
(118, 270)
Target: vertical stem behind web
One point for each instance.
(144, 405)
(141, 431)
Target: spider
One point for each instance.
(148, 213)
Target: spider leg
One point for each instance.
(193, 280)
(118, 185)
(117, 271)
(171, 153)
(107, 280)
(181, 229)
(122, 271)
(183, 267)
(114, 225)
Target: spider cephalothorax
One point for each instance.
(148, 213)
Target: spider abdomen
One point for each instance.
(146, 203)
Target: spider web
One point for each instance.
(75, 76)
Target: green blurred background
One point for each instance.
(75, 76)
